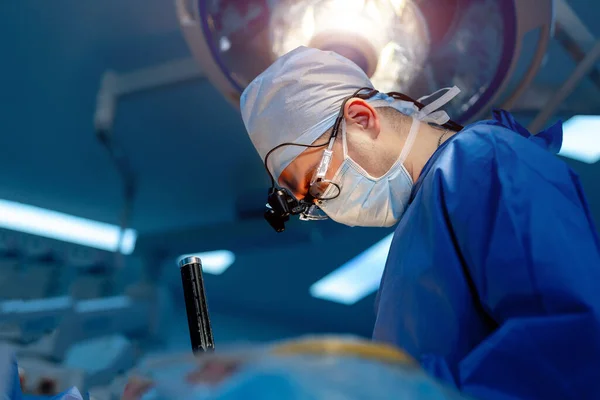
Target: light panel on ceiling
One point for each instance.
(213, 262)
(68, 228)
(581, 139)
(357, 278)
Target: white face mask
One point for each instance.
(379, 202)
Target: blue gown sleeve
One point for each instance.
(522, 224)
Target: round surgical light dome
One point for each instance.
(413, 47)
(388, 39)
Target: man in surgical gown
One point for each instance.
(493, 276)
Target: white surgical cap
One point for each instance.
(297, 99)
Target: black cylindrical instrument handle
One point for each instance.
(201, 335)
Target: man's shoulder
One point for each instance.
(471, 150)
(489, 143)
(488, 135)
(487, 154)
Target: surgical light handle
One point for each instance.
(201, 335)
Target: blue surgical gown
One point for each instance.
(493, 276)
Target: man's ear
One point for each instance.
(362, 115)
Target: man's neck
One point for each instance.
(426, 143)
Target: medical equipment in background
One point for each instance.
(403, 45)
(201, 336)
(42, 382)
(28, 320)
(134, 314)
(103, 124)
(39, 286)
(109, 329)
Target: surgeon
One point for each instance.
(493, 276)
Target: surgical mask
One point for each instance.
(380, 202)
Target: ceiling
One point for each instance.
(195, 164)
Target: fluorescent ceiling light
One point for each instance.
(357, 278)
(213, 262)
(64, 227)
(581, 138)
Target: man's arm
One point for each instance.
(533, 254)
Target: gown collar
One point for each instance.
(550, 139)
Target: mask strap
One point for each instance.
(344, 141)
(435, 105)
(410, 140)
(437, 117)
(423, 98)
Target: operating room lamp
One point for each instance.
(411, 46)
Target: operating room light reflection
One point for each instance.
(357, 278)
